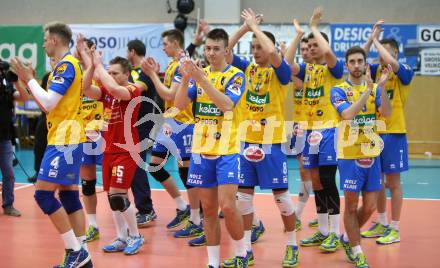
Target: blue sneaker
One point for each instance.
(190, 230)
(74, 259)
(144, 219)
(198, 241)
(117, 245)
(134, 243)
(257, 232)
(181, 216)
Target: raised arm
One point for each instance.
(85, 54)
(149, 66)
(329, 56)
(385, 104)
(182, 99)
(377, 29)
(293, 46)
(251, 20)
(117, 91)
(386, 56)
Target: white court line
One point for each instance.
(26, 185)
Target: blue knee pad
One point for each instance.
(46, 201)
(70, 201)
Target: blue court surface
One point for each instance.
(420, 182)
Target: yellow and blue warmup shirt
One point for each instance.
(357, 138)
(263, 103)
(172, 75)
(318, 80)
(397, 87)
(92, 112)
(64, 123)
(215, 132)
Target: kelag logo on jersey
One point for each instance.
(364, 120)
(208, 109)
(314, 93)
(390, 94)
(298, 93)
(257, 99)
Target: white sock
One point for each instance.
(255, 220)
(356, 250)
(130, 219)
(82, 242)
(92, 220)
(323, 223)
(299, 209)
(334, 224)
(291, 238)
(121, 226)
(383, 219)
(345, 237)
(180, 203)
(240, 247)
(247, 238)
(213, 255)
(395, 225)
(70, 241)
(194, 216)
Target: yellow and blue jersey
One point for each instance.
(357, 138)
(172, 75)
(263, 103)
(64, 123)
(397, 87)
(318, 80)
(215, 132)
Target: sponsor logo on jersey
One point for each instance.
(254, 154)
(235, 89)
(314, 138)
(58, 80)
(61, 69)
(207, 109)
(364, 162)
(257, 99)
(314, 93)
(363, 120)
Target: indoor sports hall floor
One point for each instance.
(32, 241)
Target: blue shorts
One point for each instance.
(211, 171)
(61, 164)
(92, 154)
(175, 137)
(263, 165)
(296, 141)
(320, 148)
(360, 174)
(394, 156)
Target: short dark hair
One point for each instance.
(123, 62)
(311, 35)
(354, 50)
(137, 46)
(218, 34)
(268, 34)
(390, 41)
(174, 35)
(304, 40)
(60, 29)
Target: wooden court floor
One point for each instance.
(31, 240)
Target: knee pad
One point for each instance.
(70, 201)
(46, 201)
(119, 202)
(305, 190)
(328, 180)
(245, 203)
(88, 187)
(183, 173)
(321, 201)
(160, 174)
(284, 203)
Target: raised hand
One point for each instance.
(96, 58)
(250, 18)
(149, 66)
(386, 72)
(316, 17)
(377, 29)
(24, 71)
(368, 79)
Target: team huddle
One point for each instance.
(227, 127)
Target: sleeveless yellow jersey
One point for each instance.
(64, 123)
(357, 138)
(397, 87)
(172, 74)
(263, 105)
(92, 114)
(215, 132)
(318, 81)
